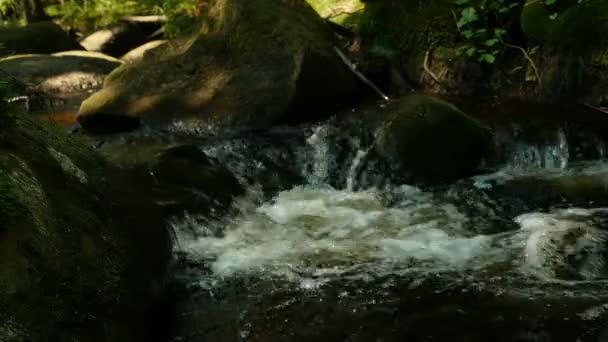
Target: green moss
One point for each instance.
(432, 138)
(11, 207)
(343, 12)
(411, 25)
(579, 28)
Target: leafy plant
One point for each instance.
(483, 25)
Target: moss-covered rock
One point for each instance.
(74, 265)
(431, 138)
(60, 79)
(138, 53)
(578, 27)
(44, 37)
(263, 61)
(343, 12)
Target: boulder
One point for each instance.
(43, 37)
(63, 79)
(138, 53)
(254, 64)
(578, 27)
(82, 257)
(124, 35)
(574, 47)
(431, 139)
(341, 12)
(178, 177)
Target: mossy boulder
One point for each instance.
(578, 27)
(574, 47)
(60, 79)
(43, 37)
(255, 63)
(431, 139)
(343, 12)
(138, 53)
(77, 261)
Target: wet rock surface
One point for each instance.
(82, 256)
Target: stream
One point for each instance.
(330, 244)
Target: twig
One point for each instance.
(527, 57)
(362, 77)
(456, 21)
(425, 66)
(599, 109)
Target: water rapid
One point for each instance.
(346, 232)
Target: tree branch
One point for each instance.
(362, 77)
(425, 66)
(529, 59)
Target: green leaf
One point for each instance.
(468, 34)
(499, 32)
(461, 2)
(516, 69)
(553, 16)
(468, 16)
(550, 2)
(491, 42)
(488, 58)
(533, 50)
(471, 51)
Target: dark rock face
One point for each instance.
(431, 139)
(82, 256)
(263, 62)
(43, 37)
(124, 35)
(180, 178)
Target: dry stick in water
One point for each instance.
(362, 77)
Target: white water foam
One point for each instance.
(564, 244)
(310, 233)
(317, 231)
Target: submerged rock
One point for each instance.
(124, 35)
(263, 62)
(82, 257)
(431, 138)
(60, 79)
(43, 37)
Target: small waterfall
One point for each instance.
(320, 162)
(553, 152)
(354, 168)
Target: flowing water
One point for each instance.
(339, 248)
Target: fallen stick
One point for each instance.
(425, 66)
(599, 109)
(362, 77)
